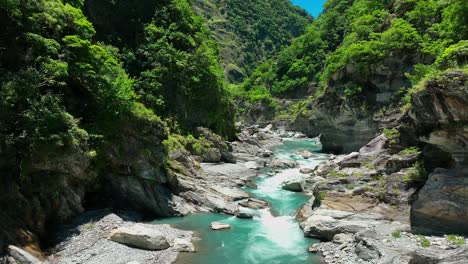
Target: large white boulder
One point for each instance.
(219, 226)
(141, 237)
(295, 185)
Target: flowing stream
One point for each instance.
(272, 236)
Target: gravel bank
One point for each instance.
(86, 241)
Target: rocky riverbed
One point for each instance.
(361, 209)
(359, 206)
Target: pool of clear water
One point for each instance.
(273, 236)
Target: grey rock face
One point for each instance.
(440, 117)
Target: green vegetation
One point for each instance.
(396, 234)
(409, 151)
(76, 77)
(416, 173)
(424, 241)
(456, 240)
(322, 196)
(392, 134)
(196, 146)
(251, 32)
(354, 43)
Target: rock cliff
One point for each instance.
(440, 117)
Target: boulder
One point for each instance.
(212, 155)
(22, 256)
(227, 156)
(218, 204)
(306, 170)
(366, 251)
(282, 164)
(299, 135)
(141, 237)
(251, 165)
(326, 223)
(342, 238)
(307, 154)
(231, 194)
(219, 226)
(267, 129)
(244, 215)
(254, 203)
(375, 146)
(267, 153)
(442, 204)
(183, 245)
(295, 185)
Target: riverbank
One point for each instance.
(201, 188)
(356, 204)
(361, 210)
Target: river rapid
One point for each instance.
(273, 235)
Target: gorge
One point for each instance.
(134, 131)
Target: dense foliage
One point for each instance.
(70, 87)
(353, 45)
(173, 58)
(250, 32)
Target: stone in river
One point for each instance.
(244, 215)
(254, 203)
(219, 226)
(293, 185)
(307, 154)
(305, 170)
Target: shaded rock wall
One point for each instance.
(440, 118)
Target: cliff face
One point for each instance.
(57, 186)
(440, 116)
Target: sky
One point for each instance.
(314, 7)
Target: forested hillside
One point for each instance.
(352, 42)
(80, 98)
(168, 107)
(358, 60)
(250, 32)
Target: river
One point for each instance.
(273, 236)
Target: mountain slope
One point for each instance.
(250, 32)
(358, 62)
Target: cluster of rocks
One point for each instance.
(361, 205)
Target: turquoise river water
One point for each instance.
(273, 236)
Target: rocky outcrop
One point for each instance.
(135, 173)
(141, 237)
(125, 170)
(439, 115)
